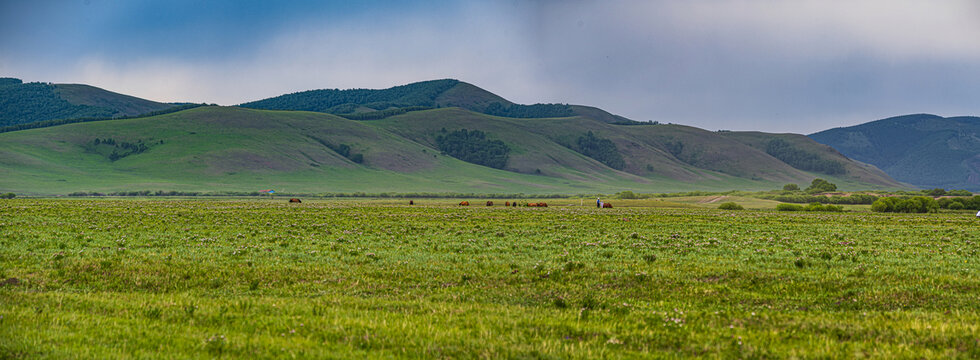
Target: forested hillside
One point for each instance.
(412, 97)
(24, 103)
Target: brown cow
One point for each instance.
(489, 203)
(464, 203)
(411, 202)
(532, 204)
(541, 204)
(507, 203)
(295, 200)
(606, 206)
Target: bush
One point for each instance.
(8, 196)
(730, 206)
(791, 187)
(626, 195)
(822, 207)
(789, 207)
(959, 203)
(918, 204)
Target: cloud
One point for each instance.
(726, 64)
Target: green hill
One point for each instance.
(421, 95)
(213, 149)
(927, 151)
(24, 103)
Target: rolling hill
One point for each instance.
(419, 96)
(214, 149)
(24, 103)
(924, 150)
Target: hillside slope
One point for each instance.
(803, 153)
(23, 103)
(215, 149)
(924, 150)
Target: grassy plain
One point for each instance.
(208, 278)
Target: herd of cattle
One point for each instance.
(506, 203)
(489, 203)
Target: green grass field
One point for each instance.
(209, 278)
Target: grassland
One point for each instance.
(381, 279)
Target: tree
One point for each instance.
(935, 192)
(791, 187)
(820, 185)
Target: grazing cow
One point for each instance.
(532, 204)
(489, 203)
(541, 204)
(411, 202)
(507, 203)
(295, 200)
(606, 206)
(514, 204)
(464, 203)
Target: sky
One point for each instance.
(777, 66)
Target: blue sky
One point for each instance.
(778, 66)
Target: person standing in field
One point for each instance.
(598, 203)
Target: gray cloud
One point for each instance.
(797, 66)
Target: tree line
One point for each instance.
(32, 102)
(381, 114)
(335, 101)
(529, 111)
(56, 122)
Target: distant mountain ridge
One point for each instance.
(924, 150)
(24, 103)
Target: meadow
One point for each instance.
(206, 278)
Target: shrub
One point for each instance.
(791, 187)
(730, 206)
(626, 195)
(918, 204)
(822, 207)
(789, 207)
